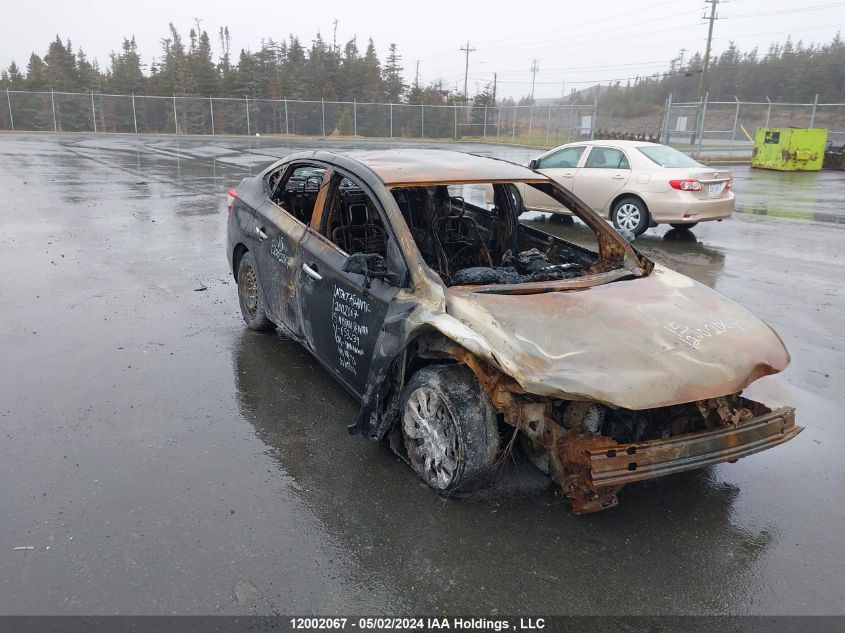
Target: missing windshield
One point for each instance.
(471, 235)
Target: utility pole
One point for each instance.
(534, 68)
(495, 77)
(702, 86)
(562, 90)
(417, 76)
(467, 50)
(334, 35)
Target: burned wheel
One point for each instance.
(250, 296)
(449, 428)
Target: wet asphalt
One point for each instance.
(157, 457)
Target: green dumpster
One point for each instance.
(789, 148)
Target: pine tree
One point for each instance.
(394, 85)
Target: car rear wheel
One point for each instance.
(250, 296)
(449, 428)
(681, 226)
(631, 214)
(560, 218)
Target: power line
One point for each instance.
(592, 34)
(570, 26)
(816, 7)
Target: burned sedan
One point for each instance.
(463, 332)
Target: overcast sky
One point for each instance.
(579, 43)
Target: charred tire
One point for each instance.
(449, 428)
(630, 213)
(251, 297)
(682, 227)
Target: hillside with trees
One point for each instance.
(788, 72)
(203, 66)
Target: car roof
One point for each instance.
(417, 167)
(612, 143)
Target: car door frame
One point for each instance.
(604, 209)
(369, 308)
(278, 234)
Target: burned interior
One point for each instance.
(470, 244)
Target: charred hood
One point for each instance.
(637, 344)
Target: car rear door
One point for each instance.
(278, 234)
(560, 165)
(605, 171)
(342, 318)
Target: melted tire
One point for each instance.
(472, 434)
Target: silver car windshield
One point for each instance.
(667, 156)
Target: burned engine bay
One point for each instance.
(467, 244)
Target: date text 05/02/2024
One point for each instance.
(467, 625)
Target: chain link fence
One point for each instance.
(725, 126)
(542, 125)
(698, 127)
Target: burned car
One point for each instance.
(462, 331)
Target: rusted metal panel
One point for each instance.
(626, 463)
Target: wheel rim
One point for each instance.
(248, 288)
(430, 436)
(628, 216)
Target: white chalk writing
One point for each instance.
(693, 336)
(279, 251)
(348, 310)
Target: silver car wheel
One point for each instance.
(432, 446)
(628, 216)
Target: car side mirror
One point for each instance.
(370, 266)
(534, 163)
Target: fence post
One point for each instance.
(248, 130)
(548, 124)
(53, 103)
(484, 128)
(134, 115)
(354, 116)
(513, 127)
(736, 119)
(530, 121)
(768, 112)
(422, 120)
(391, 118)
(93, 112)
(813, 115)
(594, 120)
(11, 118)
(455, 113)
(664, 133)
(287, 130)
(211, 110)
(498, 122)
(323, 116)
(175, 118)
(703, 117)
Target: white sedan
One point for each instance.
(634, 184)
